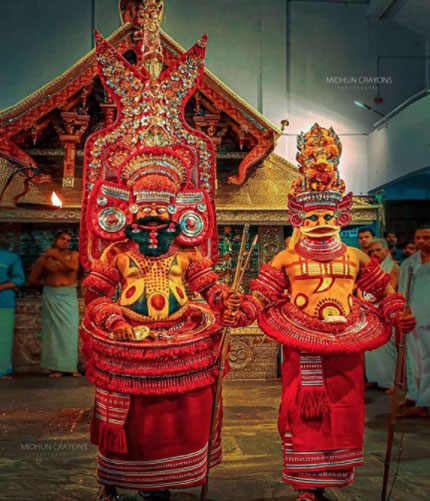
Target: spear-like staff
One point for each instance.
(223, 351)
(398, 383)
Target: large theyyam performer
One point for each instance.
(147, 237)
(322, 326)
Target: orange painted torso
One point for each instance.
(321, 289)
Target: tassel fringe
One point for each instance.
(113, 438)
(313, 403)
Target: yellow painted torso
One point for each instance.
(153, 289)
(320, 289)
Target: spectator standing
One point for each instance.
(418, 342)
(11, 277)
(57, 271)
(381, 363)
(365, 237)
(408, 249)
(391, 239)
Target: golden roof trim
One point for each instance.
(55, 85)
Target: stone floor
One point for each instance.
(45, 453)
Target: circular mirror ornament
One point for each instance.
(191, 224)
(133, 209)
(102, 201)
(112, 219)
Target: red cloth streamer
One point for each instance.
(107, 426)
(312, 394)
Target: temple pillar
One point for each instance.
(271, 241)
(70, 132)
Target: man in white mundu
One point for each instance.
(418, 342)
(381, 363)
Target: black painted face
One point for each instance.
(153, 234)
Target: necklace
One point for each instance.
(320, 249)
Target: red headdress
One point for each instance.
(321, 186)
(150, 153)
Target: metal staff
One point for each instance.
(223, 350)
(398, 383)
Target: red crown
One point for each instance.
(320, 187)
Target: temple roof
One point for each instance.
(238, 130)
(251, 178)
(266, 188)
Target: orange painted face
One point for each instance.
(320, 223)
(153, 210)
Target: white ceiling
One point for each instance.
(412, 14)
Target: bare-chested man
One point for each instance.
(57, 271)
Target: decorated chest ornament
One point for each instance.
(150, 161)
(318, 201)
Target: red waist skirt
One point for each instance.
(323, 452)
(166, 440)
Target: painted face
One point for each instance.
(153, 210)
(320, 223)
(378, 251)
(154, 234)
(422, 240)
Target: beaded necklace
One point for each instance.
(320, 249)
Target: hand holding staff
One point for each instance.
(232, 301)
(406, 324)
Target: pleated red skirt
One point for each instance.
(167, 440)
(323, 452)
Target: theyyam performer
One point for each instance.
(323, 327)
(147, 233)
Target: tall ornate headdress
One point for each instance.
(320, 187)
(150, 153)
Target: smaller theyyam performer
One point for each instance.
(148, 239)
(323, 328)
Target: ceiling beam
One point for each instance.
(377, 8)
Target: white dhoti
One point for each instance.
(418, 365)
(380, 364)
(418, 342)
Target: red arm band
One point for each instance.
(200, 276)
(102, 281)
(270, 283)
(373, 280)
(104, 313)
(391, 305)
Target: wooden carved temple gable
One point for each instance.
(47, 130)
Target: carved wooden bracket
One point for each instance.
(209, 124)
(70, 132)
